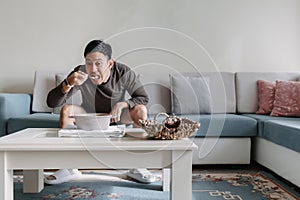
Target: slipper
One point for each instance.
(142, 175)
(61, 176)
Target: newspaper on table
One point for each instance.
(112, 131)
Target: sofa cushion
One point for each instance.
(283, 132)
(44, 81)
(222, 86)
(224, 125)
(222, 90)
(287, 99)
(157, 86)
(190, 95)
(261, 119)
(246, 87)
(36, 120)
(266, 96)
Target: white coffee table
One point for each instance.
(35, 149)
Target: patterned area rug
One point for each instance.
(207, 184)
(241, 185)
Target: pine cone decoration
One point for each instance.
(172, 128)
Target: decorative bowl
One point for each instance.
(92, 121)
(172, 127)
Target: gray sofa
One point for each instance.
(230, 132)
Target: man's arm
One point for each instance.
(136, 90)
(58, 95)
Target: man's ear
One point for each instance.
(111, 63)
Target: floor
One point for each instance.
(110, 174)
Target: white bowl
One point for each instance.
(92, 121)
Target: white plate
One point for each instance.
(136, 132)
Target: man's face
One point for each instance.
(98, 67)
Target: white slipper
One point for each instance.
(142, 175)
(61, 176)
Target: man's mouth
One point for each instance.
(95, 76)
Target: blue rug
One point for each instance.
(207, 184)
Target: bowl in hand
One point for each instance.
(92, 121)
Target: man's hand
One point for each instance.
(117, 111)
(77, 78)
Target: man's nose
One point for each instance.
(94, 68)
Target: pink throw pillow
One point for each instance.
(287, 99)
(266, 96)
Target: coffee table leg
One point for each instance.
(6, 179)
(166, 179)
(33, 181)
(181, 175)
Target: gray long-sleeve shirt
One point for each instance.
(101, 98)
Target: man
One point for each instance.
(103, 84)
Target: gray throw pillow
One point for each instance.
(190, 95)
(75, 99)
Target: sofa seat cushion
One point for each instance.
(36, 120)
(261, 119)
(283, 132)
(223, 125)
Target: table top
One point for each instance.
(46, 139)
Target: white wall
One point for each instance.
(204, 35)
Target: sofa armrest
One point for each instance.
(13, 105)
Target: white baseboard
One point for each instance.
(222, 151)
(279, 159)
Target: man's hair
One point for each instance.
(98, 46)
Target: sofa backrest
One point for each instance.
(157, 85)
(246, 87)
(44, 81)
(222, 88)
